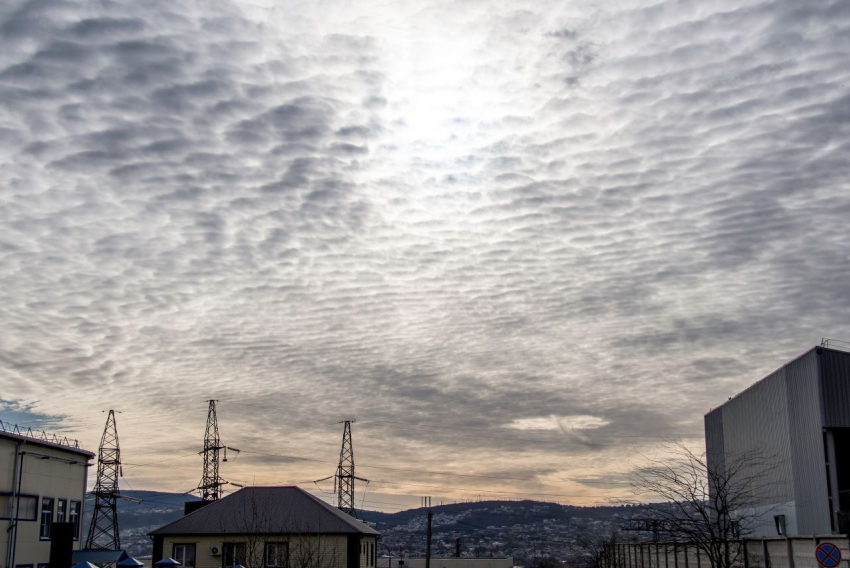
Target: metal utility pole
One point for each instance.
(210, 486)
(428, 535)
(344, 477)
(345, 472)
(103, 531)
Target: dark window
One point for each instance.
(26, 505)
(74, 517)
(184, 554)
(780, 524)
(277, 555)
(234, 553)
(23, 565)
(46, 517)
(61, 510)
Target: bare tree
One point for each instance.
(710, 507)
(597, 546)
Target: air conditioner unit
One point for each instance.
(215, 550)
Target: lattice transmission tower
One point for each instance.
(344, 477)
(103, 531)
(211, 483)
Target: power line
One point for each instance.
(300, 458)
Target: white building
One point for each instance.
(42, 481)
(799, 418)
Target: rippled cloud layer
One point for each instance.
(519, 245)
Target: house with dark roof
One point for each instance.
(267, 527)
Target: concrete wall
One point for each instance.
(42, 478)
(312, 551)
(449, 562)
(792, 552)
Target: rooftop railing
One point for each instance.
(38, 435)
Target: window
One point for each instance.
(74, 517)
(61, 510)
(46, 517)
(184, 554)
(277, 555)
(234, 553)
(780, 524)
(27, 506)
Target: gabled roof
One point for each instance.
(267, 510)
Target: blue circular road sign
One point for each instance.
(828, 555)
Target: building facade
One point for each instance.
(267, 527)
(798, 420)
(42, 481)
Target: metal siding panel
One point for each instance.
(757, 421)
(807, 459)
(835, 381)
(714, 447)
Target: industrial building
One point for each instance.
(799, 416)
(42, 481)
(269, 527)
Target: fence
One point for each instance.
(790, 552)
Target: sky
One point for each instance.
(519, 243)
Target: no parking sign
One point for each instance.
(828, 555)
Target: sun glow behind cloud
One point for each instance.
(564, 423)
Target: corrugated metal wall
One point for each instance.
(757, 421)
(714, 449)
(807, 455)
(782, 416)
(835, 376)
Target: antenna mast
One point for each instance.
(103, 531)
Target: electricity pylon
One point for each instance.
(103, 531)
(344, 477)
(210, 487)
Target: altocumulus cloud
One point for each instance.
(521, 243)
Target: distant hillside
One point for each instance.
(492, 513)
(486, 527)
(135, 520)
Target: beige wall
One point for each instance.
(42, 478)
(326, 551)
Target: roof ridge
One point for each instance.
(345, 517)
(198, 510)
(297, 511)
